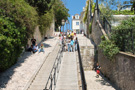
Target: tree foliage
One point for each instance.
(123, 12)
(106, 11)
(22, 14)
(86, 11)
(133, 6)
(60, 12)
(45, 21)
(40, 5)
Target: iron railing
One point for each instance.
(84, 85)
(104, 22)
(51, 82)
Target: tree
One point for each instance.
(133, 6)
(21, 12)
(41, 5)
(60, 12)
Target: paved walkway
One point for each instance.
(19, 75)
(67, 79)
(93, 83)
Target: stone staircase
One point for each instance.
(40, 79)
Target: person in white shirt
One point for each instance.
(35, 48)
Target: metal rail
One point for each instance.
(84, 86)
(51, 82)
(104, 22)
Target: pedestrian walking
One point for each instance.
(72, 45)
(69, 46)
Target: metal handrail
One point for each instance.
(84, 86)
(104, 22)
(54, 72)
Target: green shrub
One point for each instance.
(123, 35)
(124, 12)
(11, 42)
(60, 12)
(109, 48)
(17, 22)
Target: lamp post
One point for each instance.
(63, 23)
(59, 28)
(67, 22)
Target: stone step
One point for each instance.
(37, 87)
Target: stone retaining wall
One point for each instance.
(122, 70)
(37, 34)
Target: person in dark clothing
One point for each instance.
(33, 41)
(30, 48)
(97, 68)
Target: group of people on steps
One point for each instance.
(69, 41)
(34, 47)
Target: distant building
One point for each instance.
(76, 23)
(125, 7)
(117, 19)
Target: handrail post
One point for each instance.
(54, 75)
(51, 81)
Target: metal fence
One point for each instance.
(51, 82)
(104, 22)
(84, 86)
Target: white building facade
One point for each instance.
(76, 23)
(83, 26)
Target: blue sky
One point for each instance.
(76, 7)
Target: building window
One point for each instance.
(77, 23)
(76, 17)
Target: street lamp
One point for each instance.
(63, 23)
(59, 28)
(67, 22)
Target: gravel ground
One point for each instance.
(17, 77)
